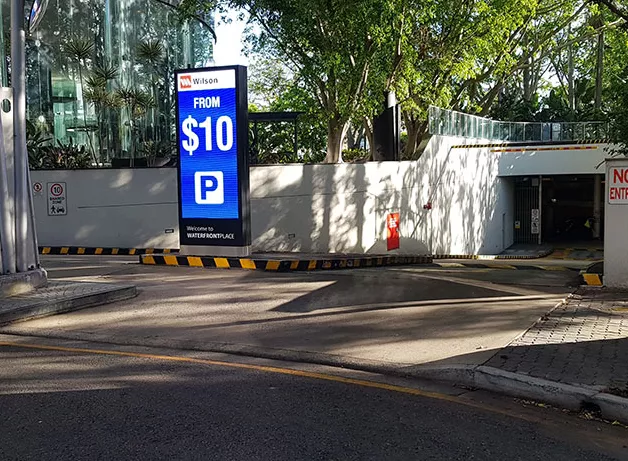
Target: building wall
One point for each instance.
(310, 208)
(109, 208)
(313, 208)
(552, 160)
(615, 225)
(472, 208)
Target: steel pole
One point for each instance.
(7, 231)
(597, 206)
(18, 83)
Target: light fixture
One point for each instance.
(36, 14)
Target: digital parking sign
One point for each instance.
(213, 168)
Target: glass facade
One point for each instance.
(100, 75)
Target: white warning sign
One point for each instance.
(536, 217)
(57, 204)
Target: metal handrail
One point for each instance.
(448, 122)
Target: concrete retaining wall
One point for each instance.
(615, 225)
(311, 208)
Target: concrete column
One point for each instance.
(616, 223)
(597, 206)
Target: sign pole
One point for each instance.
(18, 83)
(213, 166)
(7, 230)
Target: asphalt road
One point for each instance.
(77, 405)
(402, 316)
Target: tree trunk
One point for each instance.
(412, 128)
(415, 129)
(570, 76)
(412, 142)
(599, 67)
(336, 132)
(368, 132)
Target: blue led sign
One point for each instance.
(213, 159)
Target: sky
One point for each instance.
(228, 47)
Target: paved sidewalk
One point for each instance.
(58, 297)
(583, 342)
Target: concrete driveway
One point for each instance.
(405, 316)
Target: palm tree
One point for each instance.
(137, 103)
(151, 54)
(80, 50)
(98, 93)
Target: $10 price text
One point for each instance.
(223, 126)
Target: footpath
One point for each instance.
(465, 326)
(574, 357)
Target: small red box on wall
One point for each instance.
(392, 226)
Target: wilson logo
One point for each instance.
(185, 82)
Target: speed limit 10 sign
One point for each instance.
(57, 203)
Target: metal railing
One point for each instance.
(451, 123)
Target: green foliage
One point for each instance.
(79, 49)
(153, 150)
(521, 60)
(329, 45)
(138, 101)
(104, 72)
(67, 156)
(150, 51)
(619, 114)
(37, 146)
(274, 88)
(355, 155)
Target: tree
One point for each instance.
(453, 54)
(275, 88)
(330, 44)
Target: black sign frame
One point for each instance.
(192, 230)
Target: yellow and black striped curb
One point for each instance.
(102, 251)
(519, 267)
(592, 275)
(282, 265)
(595, 280)
(542, 149)
(531, 144)
(495, 257)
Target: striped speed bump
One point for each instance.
(494, 257)
(519, 267)
(282, 265)
(102, 251)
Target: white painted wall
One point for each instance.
(323, 208)
(551, 160)
(110, 208)
(309, 208)
(334, 208)
(615, 226)
(312, 208)
(472, 207)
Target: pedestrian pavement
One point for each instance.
(582, 342)
(58, 297)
